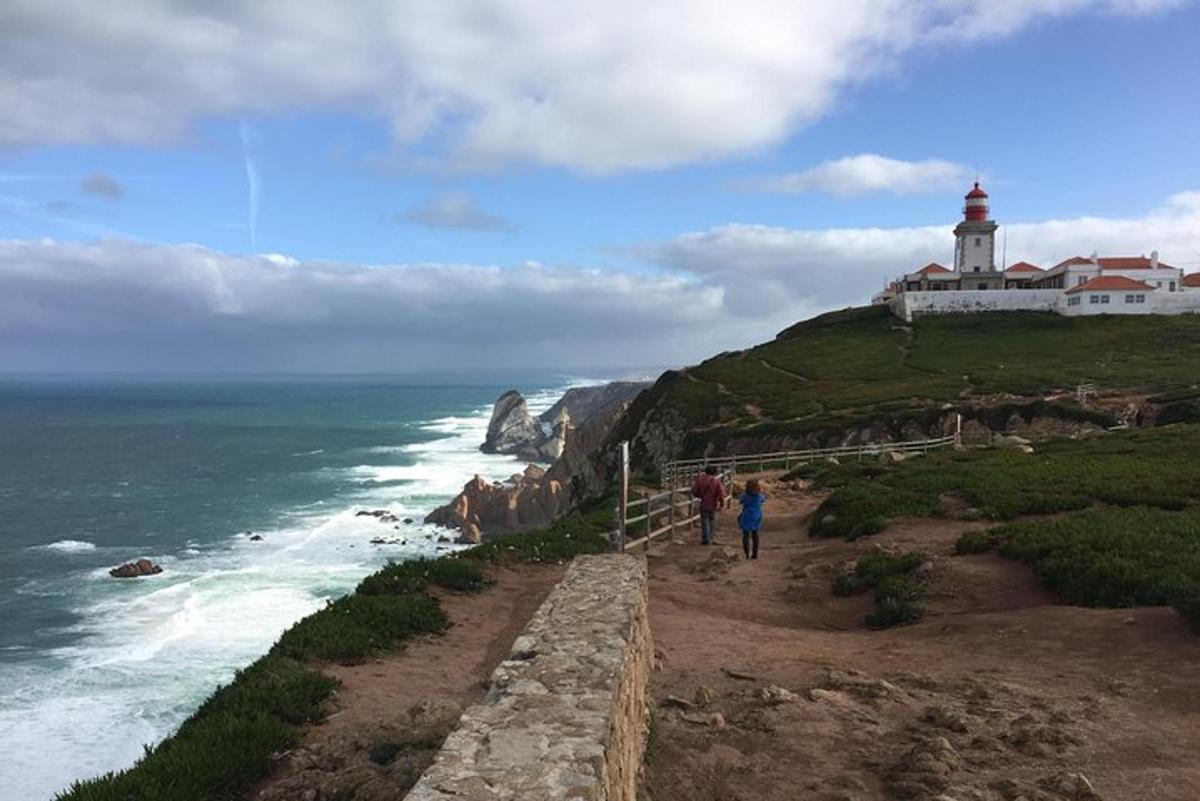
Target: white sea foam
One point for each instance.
(68, 546)
(152, 648)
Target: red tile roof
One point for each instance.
(1191, 279)
(932, 267)
(1111, 283)
(1024, 267)
(1115, 262)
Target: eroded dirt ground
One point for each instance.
(998, 693)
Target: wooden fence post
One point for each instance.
(623, 498)
(649, 523)
(671, 512)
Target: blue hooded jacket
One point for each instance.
(751, 517)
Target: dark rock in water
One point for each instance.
(443, 539)
(408, 521)
(379, 541)
(383, 515)
(142, 567)
(256, 537)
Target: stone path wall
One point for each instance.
(565, 716)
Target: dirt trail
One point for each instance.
(391, 713)
(999, 693)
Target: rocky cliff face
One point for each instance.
(583, 404)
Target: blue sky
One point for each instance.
(608, 159)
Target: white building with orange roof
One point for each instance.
(1080, 285)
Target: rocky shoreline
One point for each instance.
(564, 437)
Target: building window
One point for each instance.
(982, 286)
(978, 241)
(1129, 299)
(1172, 286)
(1093, 298)
(1073, 301)
(1141, 299)
(1104, 298)
(1081, 281)
(976, 269)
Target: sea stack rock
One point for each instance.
(142, 567)
(512, 429)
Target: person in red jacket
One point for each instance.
(711, 492)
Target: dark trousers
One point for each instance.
(748, 537)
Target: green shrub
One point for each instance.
(975, 542)
(898, 590)
(1121, 469)
(1114, 557)
(356, 626)
(401, 578)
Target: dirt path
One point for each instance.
(391, 713)
(998, 693)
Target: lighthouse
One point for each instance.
(975, 244)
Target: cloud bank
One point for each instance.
(121, 305)
(595, 86)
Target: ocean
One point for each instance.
(99, 471)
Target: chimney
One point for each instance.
(1154, 260)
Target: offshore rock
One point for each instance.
(142, 567)
(527, 500)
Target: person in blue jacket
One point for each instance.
(750, 518)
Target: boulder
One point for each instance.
(142, 567)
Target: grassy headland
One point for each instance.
(862, 365)
(229, 742)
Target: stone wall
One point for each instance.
(565, 715)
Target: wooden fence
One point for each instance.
(641, 519)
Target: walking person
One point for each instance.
(711, 492)
(750, 518)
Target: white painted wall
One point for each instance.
(914, 304)
(971, 255)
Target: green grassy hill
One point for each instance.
(863, 366)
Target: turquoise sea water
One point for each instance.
(95, 472)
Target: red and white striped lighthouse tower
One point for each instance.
(975, 244)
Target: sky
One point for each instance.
(455, 184)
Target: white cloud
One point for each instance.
(611, 85)
(121, 305)
(868, 172)
(455, 211)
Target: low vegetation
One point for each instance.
(898, 588)
(1136, 468)
(1137, 556)
(231, 740)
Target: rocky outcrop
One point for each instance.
(513, 429)
(536, 496)
(142, 567)
(526, 500)
(566, 713)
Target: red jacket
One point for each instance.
(710, 491)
